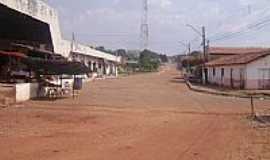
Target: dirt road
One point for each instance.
(143, 117)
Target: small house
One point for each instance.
(240, 71)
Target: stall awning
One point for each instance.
(13, 54)
(52, 66)
(38, 52)
(56, 67)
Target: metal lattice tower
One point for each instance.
(144, 26)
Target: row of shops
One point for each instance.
(35, 72)
(36, 61)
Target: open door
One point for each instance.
(242, 79)
(206, 75)
(264, 79)
(231, 78)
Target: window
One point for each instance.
(214, 72)
(222, 72)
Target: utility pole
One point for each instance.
(204, 55)
(189, 52)
(203, 34)
(205, 58)
(189, 48)
(204, 44)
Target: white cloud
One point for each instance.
(247, 2)
(161, 4)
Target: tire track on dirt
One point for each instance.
(203, 136)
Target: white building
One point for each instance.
(36, 17)
(245, 71)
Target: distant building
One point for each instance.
(240, 69)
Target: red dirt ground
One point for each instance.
(142, 117)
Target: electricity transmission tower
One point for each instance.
(144, 37)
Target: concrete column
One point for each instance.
(92, 65)
(108, 68)
(111, 69)
(85, 60)
(114, 70)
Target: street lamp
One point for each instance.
(203, 37)
(188, 46)
(204, 46)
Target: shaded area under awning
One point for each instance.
(13, 54)
(56, 67)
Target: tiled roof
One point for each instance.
(234, 50)
(13, 54)
(239, 59)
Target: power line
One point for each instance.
(242, 31)
(250, 26)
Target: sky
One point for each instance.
(116, 23)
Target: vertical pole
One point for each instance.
(189, 48)
(204, 54)
(61, 80)
(252, 107)
(73, 91)
(204, 44)
(61, 84)
(189, 52)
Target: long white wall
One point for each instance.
(226, 80)
(43, 12)
(253, 68)
(253, 71)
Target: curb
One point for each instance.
(196, 89)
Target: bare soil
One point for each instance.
(142, 117)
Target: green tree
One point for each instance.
(149, 61)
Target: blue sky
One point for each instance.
(116, 23)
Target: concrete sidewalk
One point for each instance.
(229, 93)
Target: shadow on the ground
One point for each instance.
(264, 119)
(49, 99)
(177, 80)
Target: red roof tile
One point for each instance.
(234, 50)
(13, 54)
(239, 59)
